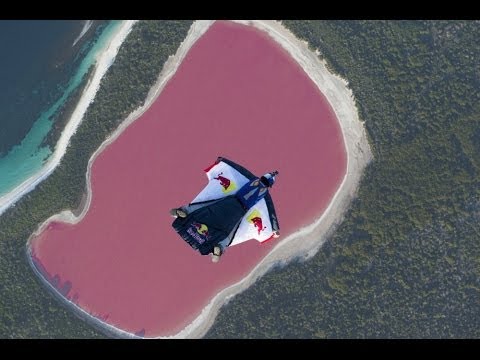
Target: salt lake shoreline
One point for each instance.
(104, 60)
(302, 244)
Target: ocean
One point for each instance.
(42, 63)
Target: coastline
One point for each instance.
(312, 237)
(169, 69)
(306, 242)
(74, 216)
(103, 62)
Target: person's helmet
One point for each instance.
(269, 178)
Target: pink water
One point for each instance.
(239, 95)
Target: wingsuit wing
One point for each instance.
(259, 223)
(225, 177)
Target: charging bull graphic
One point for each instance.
(202, 229)
(201, 234)
(227, 184)
(256, 220)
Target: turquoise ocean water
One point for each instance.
(27, 158)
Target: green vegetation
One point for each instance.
(406, 260)
(26, 309)
(30, 106)
(63, 114)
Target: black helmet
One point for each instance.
(269, 178)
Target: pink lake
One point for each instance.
(239, 95)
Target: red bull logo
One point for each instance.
(256, 220)
(227, 184)
(199, 232)
(202, 229)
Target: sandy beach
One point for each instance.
(307, 241)
(302, 244)
(104, 60)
